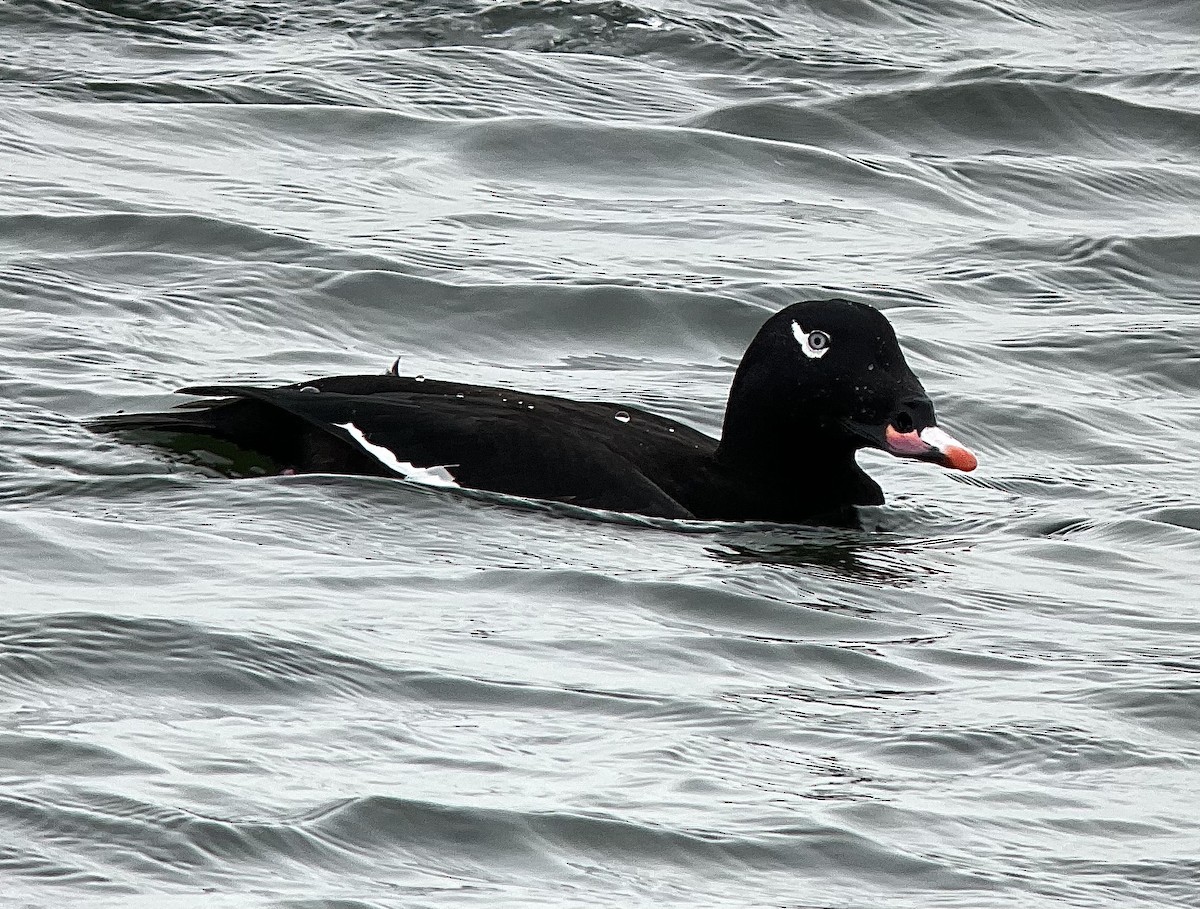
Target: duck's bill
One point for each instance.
(929, 444)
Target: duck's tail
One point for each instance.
(198, 421)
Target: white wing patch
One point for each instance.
(802, 338)
(430, 476)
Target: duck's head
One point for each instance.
(824, 378)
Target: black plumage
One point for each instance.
(820, 380)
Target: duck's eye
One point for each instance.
(815, 343)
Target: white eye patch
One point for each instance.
(815, 343)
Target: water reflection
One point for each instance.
(878, 559)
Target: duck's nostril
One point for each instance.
(903, 422)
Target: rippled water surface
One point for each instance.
(352, 692)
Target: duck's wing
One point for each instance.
(438, 433)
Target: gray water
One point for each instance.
(351, 692)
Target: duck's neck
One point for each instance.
(772, 446)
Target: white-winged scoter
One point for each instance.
(822, 379)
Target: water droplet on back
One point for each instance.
(621, 416)
(312, 388)
(420, 378)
